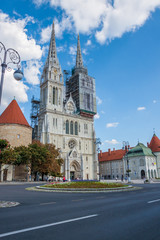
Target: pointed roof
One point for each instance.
(13, 115)
(154, 144)
(52, 53)
(140, 150)
(79, 61)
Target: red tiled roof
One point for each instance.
(154, 144)
(111, 155)
(13, 114)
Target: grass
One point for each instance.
(85, 185)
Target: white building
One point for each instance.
(66, 117)
(141, 162)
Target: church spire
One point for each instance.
(79, 61)
(52, 48)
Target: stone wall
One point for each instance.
(16, 134)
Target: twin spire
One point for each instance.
(79, 61)
(52, 54)
(52, 48)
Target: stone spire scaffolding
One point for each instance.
(79, 61)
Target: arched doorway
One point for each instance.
(75, 170)
(142, 174)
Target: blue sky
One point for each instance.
(120, 43)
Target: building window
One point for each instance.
(71, 127)
(54, 95)
(141, 162)
(71, 144)
(67, 127)
(76, 128)
(79, 145)
(88, 100)
(18, 136)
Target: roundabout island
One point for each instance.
(84, 186)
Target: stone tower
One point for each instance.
(82, 87)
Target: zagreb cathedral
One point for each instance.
(66, 116)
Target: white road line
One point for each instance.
(157, 200)
(77, 200)
(46, 225)
(47, 203)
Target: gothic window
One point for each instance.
(44, 95)
(56, 122)
(79, 145)
(88, 101)
(53, 122)
(67, 127)
(71, 144)
(54, 95)
(71, 127)
(76, 128)
(74, 154)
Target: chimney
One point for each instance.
(128, 147)
(101, 153)
(109, 151)
(113, 149)
(147, 144)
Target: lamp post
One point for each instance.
(98, 143)
(13, 58)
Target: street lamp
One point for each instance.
(97, 142)
(15, 59)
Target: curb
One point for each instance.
(75, 190)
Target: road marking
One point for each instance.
(46, 225)
(99, 197)
(157, 200)
(77, 200)
(47, 203)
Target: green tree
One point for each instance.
(45, 158)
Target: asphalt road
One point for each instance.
(130, 215)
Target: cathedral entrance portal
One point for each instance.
(75, 170)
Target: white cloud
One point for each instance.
(154, 101)
(46, 34)
(114, 124)
(61, 49)
(88, 43)
(84, 51)
(32, 72)
(99, 101)
(102, 112)
(60, 27)
(11, 89)
(113, 141)
(97, 116)
(111, 18)
(73, 50)
(141, 108)
(14, 35)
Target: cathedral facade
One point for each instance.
(66, 117)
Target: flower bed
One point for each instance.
(81, 185)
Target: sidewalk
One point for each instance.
(135, 181)
(21, 183)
